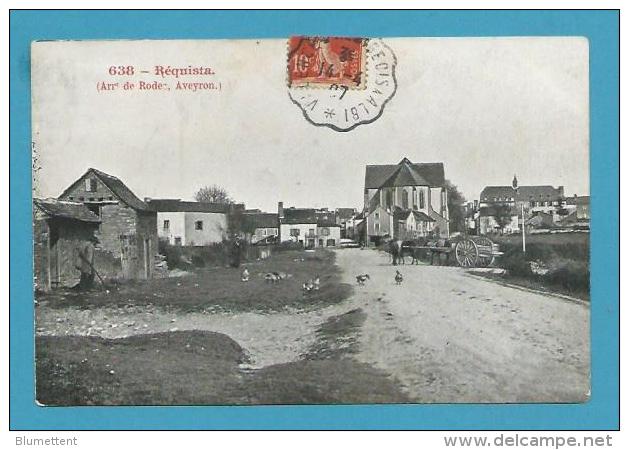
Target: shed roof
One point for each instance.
(66, 210)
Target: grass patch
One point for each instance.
(201, 368)
(220, 288)
(562, 262)
(188, 367)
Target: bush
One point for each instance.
(515, 263)
(187, 258)
(571, 275)
(288, 246)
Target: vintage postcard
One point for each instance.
(311, 220)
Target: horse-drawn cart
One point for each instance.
(468, 251)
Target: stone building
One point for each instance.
(405, 200)
(128, 226)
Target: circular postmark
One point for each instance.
(340, 83)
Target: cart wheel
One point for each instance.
(466, 253)
(484, 259)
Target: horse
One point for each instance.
(394, 248)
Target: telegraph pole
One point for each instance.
(515, 197)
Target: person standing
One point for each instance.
(85, 263)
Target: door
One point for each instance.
(147, 258)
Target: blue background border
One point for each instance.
(602, 30)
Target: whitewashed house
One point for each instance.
(190, 223)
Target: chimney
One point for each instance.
(280, 210)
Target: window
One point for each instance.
(294, 231)
(198, 225)
(331, 243)
(377, 216)
(166, 225)
(320, 242)
(532, 204)
(377, 227)
(405, 199)
(95, 209)
(177, 240)
(422, 200)
(311, 232)
(389, 198)
(71, 198)
(325, 231)
(90, 185)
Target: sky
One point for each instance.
(488, 108)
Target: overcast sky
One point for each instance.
(486, 108)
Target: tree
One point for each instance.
(213, 194)
(456, 209)
(503, 215)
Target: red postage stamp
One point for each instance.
(326, 61)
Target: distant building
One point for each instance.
(345, 216)
(500, 207)
(579, 205)
(128, 226)
(60, 229)
(308, 226)
(396, 193)
(190, 224)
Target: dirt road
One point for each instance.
(450, 337)
(443, 335)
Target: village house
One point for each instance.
(191, 224)
(343, 217)
(60, 229)
(577, 212)
(128, 226)
(500, 207)
(308, 226)
(405, 200)
(263, 227)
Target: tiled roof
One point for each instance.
(422, 217)
(523, 193)
(176, 205)
(261, 220)
(404, 174)
(345, 214)
(299, 215)
(580, 200)
(66, 210)
(402, 214)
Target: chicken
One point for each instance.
(308, 286)
(244, 276)
(272, 277)
(398, 277)
(360, 279)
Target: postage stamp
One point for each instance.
(326, 61)
(340, 83)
